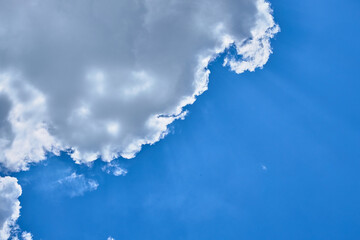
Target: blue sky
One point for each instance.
(270, 154)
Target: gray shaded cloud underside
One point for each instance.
(103, 78)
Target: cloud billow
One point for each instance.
(103, 78)
(10, 191)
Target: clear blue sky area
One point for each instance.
(273, 154)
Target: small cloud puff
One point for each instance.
(26, 236)
(115, 169)
(77, 184)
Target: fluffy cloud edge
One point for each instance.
(10, 191)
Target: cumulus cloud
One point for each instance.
(103, 78)
(26, 236)
(10, 191)
(76, 184)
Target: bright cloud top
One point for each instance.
(103, 78)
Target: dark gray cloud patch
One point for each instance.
(104, 78)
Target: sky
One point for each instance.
(266, 154)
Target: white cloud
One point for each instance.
(110, 238)
(10, 191)
(115, 169)
(26, 236)
(76, 184)
(104, 78)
